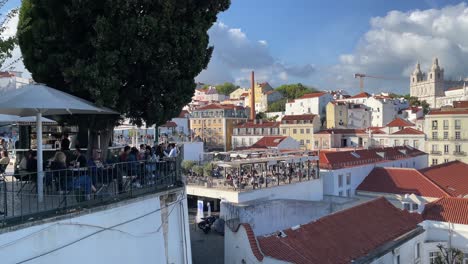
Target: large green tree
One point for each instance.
(7, 43)
(138, 57)
(293, 91)
(226, 88)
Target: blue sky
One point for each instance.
(323, 43)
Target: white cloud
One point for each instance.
(235, 55)
(395, 42)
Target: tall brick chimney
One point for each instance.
(252, 96)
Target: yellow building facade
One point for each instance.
(301, 128)
(213, 124)
(337, 115)
(447, 135)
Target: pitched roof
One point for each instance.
(341, 237)
(341, 131)
(251, 124)
(268, 142)
(400, 181)
(298, 117)
(408, 131)
(183, 114)
(451, 176)
(453, 111)
(352, 158)
(360, 95)
(447, 209)
(169, 124)
(311, 95)
(398, 122)
(253, 242)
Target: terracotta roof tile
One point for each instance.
(341, 237)
(345, 159)
(311, 95)
(460, 104)
(253, 242)
(360, 95)
(288, 118)
(268, 142)
(408, 131)
(400, 181)
(398, 122)
(220, 106)
(448, 112)
(414, 109)
(342, 131)
(447, 209)
(451, 176)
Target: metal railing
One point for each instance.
(71, 189)
(459, 153)
(249, 183)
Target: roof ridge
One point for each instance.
(433, 183)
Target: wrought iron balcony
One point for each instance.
(436, 152)
(459, 153)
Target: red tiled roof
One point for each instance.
(343, 236)
(400, 181)
(253, 242)
(251, 124)
(298, 117)
(311, 95)
(244, 94)
(398, 122)
(414, 109)
(447, 209)
(448, 112)
(268, 142)
(408, 131)
(460, 104)
(360, 95)
(342, 131)
(345, 159)
(451, 176)
(169, 124)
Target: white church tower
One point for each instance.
(426, 87)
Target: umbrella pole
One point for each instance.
(40, 175)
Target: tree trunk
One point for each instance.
(100, 132)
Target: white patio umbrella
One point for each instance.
(37, 100)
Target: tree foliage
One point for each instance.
(7, 43)
(139, 57)
(293, 91)
(277, 106)
(414, 101)
(448, 255)
(226, 88)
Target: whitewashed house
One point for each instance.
(311, 103)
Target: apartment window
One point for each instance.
(308, 141)
(284, 131)
(457, 135)
(445, 135)
(433, 257)
(340, 193)
(415, 143)
(250, 141)
(457, 148)
(434, 135)
(397, 259)
(243, 141)
(308, 110)
(434, 124)
(446, 160)
(434, 161)
(406, 142)
(435, 148)
(417, 250)
(415, 206)
(446, 124)
(340, 180)
(294, 131)
(397, 142)
(341, 113)
(407, 206)
(348, 178)
(302, 142)
(302, 131)
(446, 148)
(458, 124)
(348, 192)
(308, 131)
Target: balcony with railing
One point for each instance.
(73, 189)
(459, 153)
(436, 152)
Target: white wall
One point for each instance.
(359, 173)
(407, 252)
(138, 238)
(192, 150)
(438, 232)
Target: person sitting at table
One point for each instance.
(84, 180)
(4, 161)
(58, 167)
(23, 166)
